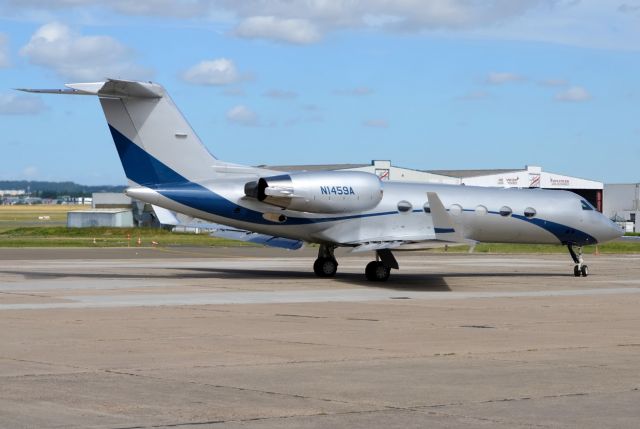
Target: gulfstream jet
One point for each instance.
(167, 165)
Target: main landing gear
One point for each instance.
(376, 271)
(380, 269)
(326, 264)
(580, 269)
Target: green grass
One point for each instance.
(105, 237)
(123, 237)
(28, 216)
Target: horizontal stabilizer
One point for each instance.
(168, 217)
(165, 216)
(112, 88)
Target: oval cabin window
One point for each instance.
(404, 206)
(426, 208)
(455, 209)
(481, 210)
(529, 212)
(505, 211)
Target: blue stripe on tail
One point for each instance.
(141, 167)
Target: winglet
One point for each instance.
(443, 224)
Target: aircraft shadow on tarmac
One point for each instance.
(398, 280)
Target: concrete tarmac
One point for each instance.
(250, 338)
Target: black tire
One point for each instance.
(325, 267)
(576, 271)
(584, 271)
(377, 272)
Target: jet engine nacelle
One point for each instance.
(319, 192)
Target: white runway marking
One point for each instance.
(293, 296)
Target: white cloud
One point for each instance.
(220, 71)
(169, 8)
(14, 104)
(376, 123)
(499, 78)
(242, 115)
(290, 30)
(574, 94)
(281, 94)
(574, 22)
(4, 51)
(354, 92)
(74, 56)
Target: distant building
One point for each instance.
(118, 218)
(622, 204)
(382, 168)
(111, 200)
(113, 209)
(12, 192)
(528, 177)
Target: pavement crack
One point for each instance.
(238, 388)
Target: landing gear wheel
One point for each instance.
(584, 270)
(576, 271)
(580, 269)
(377, 272)
(325, 267)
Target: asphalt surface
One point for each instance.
(250, 338)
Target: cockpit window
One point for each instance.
(586, 205)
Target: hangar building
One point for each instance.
(528, 177)
(622, 203)
(119, 218)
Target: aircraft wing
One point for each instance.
(444, 233)
(254, 237)
(168, 217)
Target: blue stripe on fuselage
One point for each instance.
(146, 170)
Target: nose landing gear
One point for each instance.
(580, 269)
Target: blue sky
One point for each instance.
(440, 84)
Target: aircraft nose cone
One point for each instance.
(611, 231)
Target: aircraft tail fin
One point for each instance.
(156, 144)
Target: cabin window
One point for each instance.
(586, 205)
(404, 206)
(529, 212)
(455, 209)
(426, 208)
(481, 210)
(505, 211)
